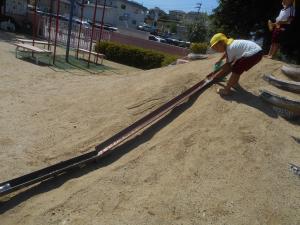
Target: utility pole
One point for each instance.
(199, 6)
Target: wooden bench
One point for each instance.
(34, 50)
(95, 54)
(28, 41)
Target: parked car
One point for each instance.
(110, 27)
(147, 28)
(155, 38)
(105, 26)
(173, 41)
(83, 22)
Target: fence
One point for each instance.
(62, 34)
(86, 33)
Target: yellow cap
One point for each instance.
(220, 37)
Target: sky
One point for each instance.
(185, 5)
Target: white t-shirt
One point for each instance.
(286, 13)
(241, 48)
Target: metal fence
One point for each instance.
(62, 33)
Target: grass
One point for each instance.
(61, 64)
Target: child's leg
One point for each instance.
(274, 49)
(275, 43)
(241, 65)
(271, 50)
(232, 82)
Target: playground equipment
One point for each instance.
(69, 32)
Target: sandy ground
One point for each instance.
(212, 161)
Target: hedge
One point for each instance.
(199, 48)
(134, 56)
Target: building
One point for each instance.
(120, 13)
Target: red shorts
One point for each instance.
(276, 35)
(246, 63)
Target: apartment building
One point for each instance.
(120, 13)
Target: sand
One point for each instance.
(212, 161)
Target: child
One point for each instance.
(284, 18)
(241, 55)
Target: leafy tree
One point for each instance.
(197, 32)
(173, 28)
(248, 18)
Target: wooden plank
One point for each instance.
(24, 41)
(33, 48)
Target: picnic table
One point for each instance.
(26, 41)
(36, 51)
(95, 54)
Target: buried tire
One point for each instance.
(292, 71)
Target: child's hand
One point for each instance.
(218, 65)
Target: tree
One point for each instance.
(248, 18)
(197, 32)
(173, 28)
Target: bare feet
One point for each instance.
(268, 56)
(223, 91)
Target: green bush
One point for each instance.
(199, 48)
(133, 56)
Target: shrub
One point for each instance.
(199, 48)
(133, 56)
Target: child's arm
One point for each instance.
(226, 69)
(290, 19)
(223, 57)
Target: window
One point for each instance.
(133, 22)
(123, 6)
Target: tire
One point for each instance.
(292, 71)
(291, 86)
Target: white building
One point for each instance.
(120, 13)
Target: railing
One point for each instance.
(62, 33)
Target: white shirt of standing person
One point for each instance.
(286, 13)
(241, 48)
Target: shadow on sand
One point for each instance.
(243, 96)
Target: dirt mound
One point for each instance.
(212, 161)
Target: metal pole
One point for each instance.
(102, 21)
(93, 28)
(56, 29)
(70, 29)
(79, 36)
(50, 24)
(34, 23)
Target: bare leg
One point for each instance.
(270, 51)
(232, 82)
(275, 49)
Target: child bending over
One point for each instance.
(241, 55)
